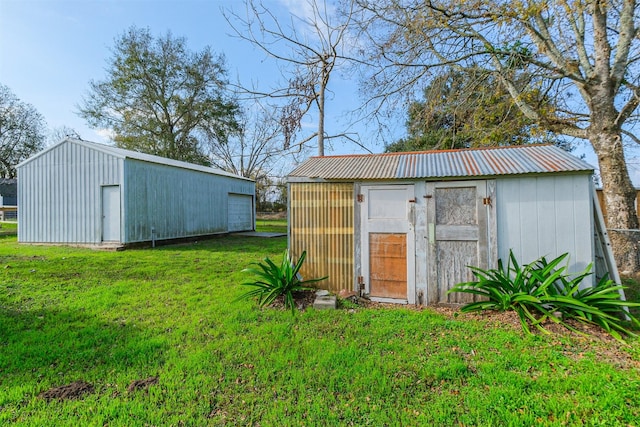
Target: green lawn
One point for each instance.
(272, 225)
(8, 227)
(109, 318)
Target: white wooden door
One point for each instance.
(240, 212)
(388, 258)
(459, 234)
(111, 213)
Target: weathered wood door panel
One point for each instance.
(388, 265)
(388, 257)
(459, 236)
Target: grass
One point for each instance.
(271, 225)
(110, 318)
(8, 227)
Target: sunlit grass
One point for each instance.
(110, 318)
(271, 225)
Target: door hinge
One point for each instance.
(361, 283)
(360, 198)
(486, 201)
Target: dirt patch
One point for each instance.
(75, 390)
(302, 300)
(142, 384)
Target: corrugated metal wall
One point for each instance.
(321, 222)
(60, 194)
(176, 202)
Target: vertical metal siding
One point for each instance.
(546, 216)
(321, 222)
(60, 194)
(176, 202)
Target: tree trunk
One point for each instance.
(321, 119)
(619, 193)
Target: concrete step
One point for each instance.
(325, 302)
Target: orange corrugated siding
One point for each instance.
(321, 222)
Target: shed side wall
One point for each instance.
(60, 195)
(176, 202)
(546, 216)
(321, 222)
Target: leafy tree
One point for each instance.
(582, 54)
(161, 98)
(22, 132)
(467, 108)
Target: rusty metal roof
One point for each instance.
(481, 162)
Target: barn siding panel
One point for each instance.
(545, 216)
(176, 202)
(321, 222)
(61, 194)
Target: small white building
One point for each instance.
(80, 192)
(404, 227)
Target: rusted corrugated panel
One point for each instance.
(444, 164)
(382, 166)
(488, 162)
(321, 222)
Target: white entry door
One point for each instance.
(388, 259)
(111, 213)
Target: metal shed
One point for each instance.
(403, 227)
(80, 192)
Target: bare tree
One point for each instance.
(309, 48)
(582, 53)
(60, 133)
(255, 149)
(22, 132)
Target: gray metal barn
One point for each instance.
(80, 192)
(403, 227)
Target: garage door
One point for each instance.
(240, 212)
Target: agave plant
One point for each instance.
(275, 280)
(543, 290)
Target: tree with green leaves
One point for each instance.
(581, 54)
(467, 108)
(161, 98)
(23, 132)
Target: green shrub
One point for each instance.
(275, 280)
(541, 291)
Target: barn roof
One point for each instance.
(128, 154)
(481, 162)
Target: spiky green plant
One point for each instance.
(542, 290)
(275, 280)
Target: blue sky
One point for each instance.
(51, 49)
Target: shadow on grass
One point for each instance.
(632, 293)
(56, 345)
(227, 243)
